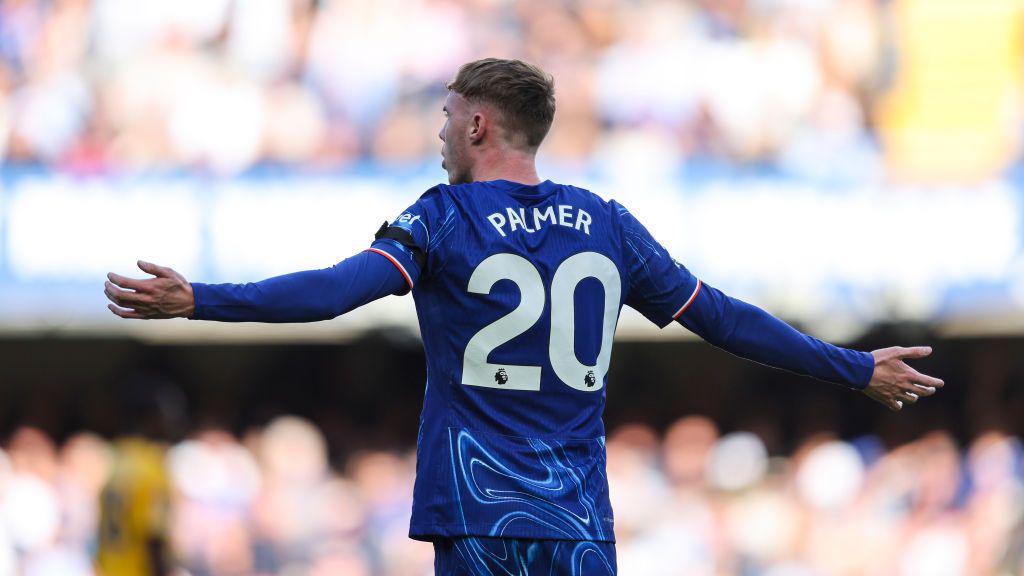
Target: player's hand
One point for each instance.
(896, 384)
(168, 295)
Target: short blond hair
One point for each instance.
(523, 94)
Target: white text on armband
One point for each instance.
(532, 221)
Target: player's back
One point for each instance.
(518, 297)
(519, 307)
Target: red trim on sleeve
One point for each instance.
(408, 279)
(688, 301)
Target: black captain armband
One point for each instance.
(403, 237)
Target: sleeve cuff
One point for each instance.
(867, 370)
(197, 298)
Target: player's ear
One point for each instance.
(477, 128)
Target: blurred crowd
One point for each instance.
(691, 501)
(222, 86)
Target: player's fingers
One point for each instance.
(925, 380)
(915, 352)
(124, 297)
(112, 293)
(923, 390)
(125, 313)
(125, 282)
(155, 270)
(908, 397)
(895, 405)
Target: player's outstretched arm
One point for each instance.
(298, 297)
(751, 333)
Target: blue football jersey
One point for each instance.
(518, 291)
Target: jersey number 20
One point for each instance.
(476, 371)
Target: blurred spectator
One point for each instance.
(688, 503)
(216, 481)
(216, 85)
(222, 86)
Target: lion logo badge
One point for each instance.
(590, 379)
(501, 377)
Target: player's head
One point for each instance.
(494, 106)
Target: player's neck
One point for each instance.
(504, 165)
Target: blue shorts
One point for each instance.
(477, 556)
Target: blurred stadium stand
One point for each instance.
(834, 89)
(300, 458)
(852, 165)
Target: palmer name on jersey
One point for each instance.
(521, 218)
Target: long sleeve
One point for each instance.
(751, 333)
(301, 296)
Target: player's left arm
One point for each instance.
(664, 290)
(750, 332)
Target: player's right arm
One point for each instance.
(305, 296)
(391, 265)
(664, 291)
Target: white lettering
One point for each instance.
(583, 219)
(563, 214)
(407, 217)
(522, 216)
(498, 220)
(514, 220)
(539, 216)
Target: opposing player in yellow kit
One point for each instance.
(135, 502)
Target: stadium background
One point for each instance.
(851, 165)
